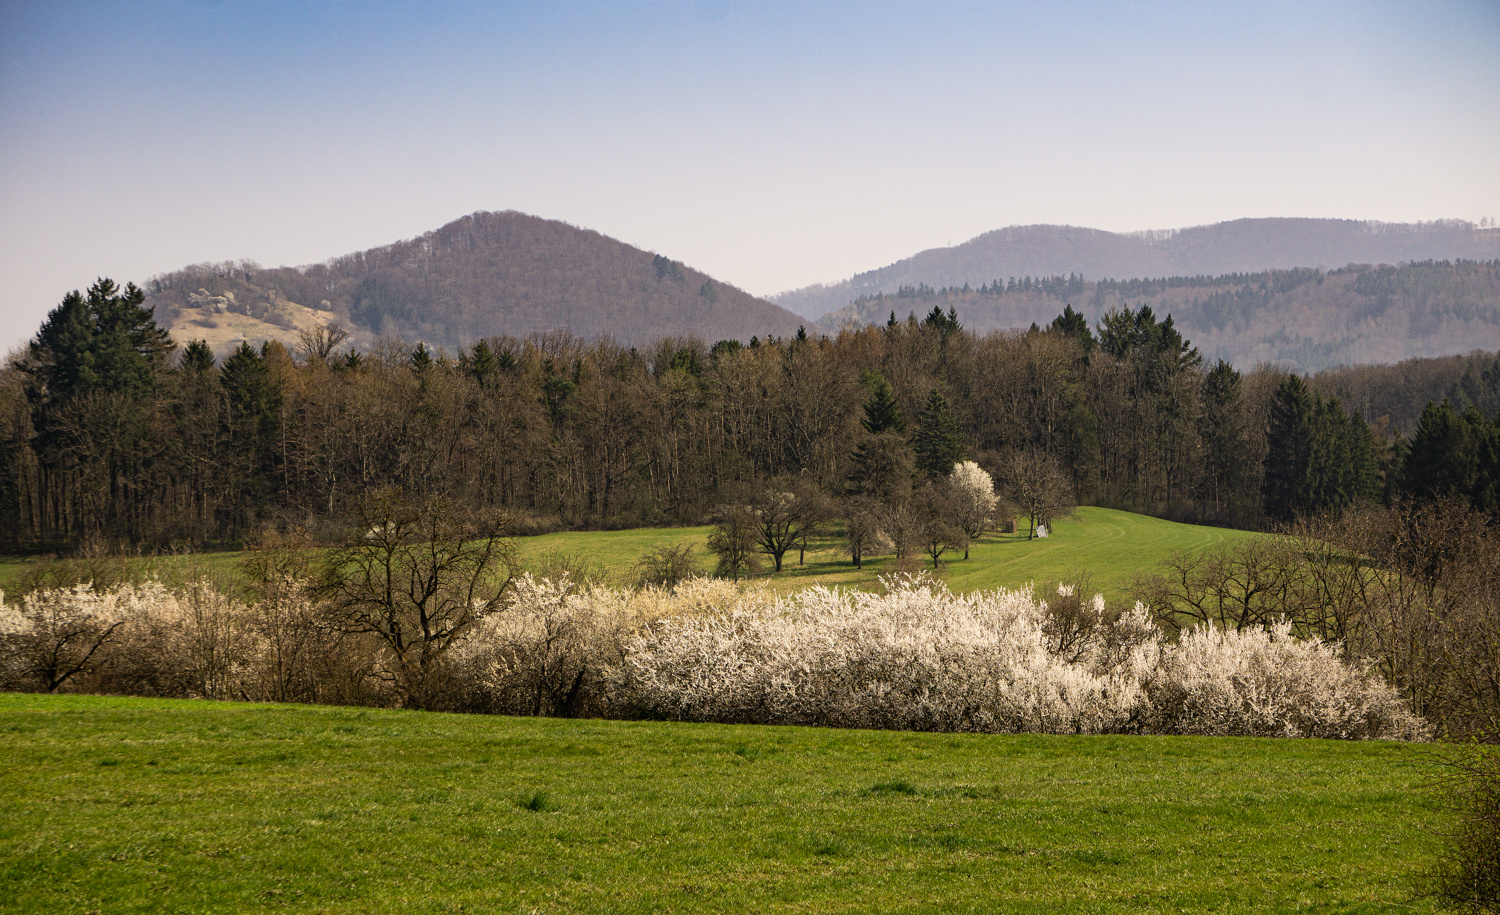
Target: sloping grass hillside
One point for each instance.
(128, 805)
(1111, 547)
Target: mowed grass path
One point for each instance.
(132, 806)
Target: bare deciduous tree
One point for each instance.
(316, 344)
(416, 575)
(787, 511)
(733, 542)
(1040, 486)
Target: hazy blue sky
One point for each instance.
(770, 144)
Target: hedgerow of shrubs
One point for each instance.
(915, 657)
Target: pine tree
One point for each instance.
(938, 441)
(480, 364)
(1222, 433)
(1073, 324)
(1364, 461)
(197, 358)
(1443, 460)
(882, 413)
(103, 348)
(1289, 482)
(252, 420)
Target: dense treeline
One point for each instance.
(108, 431)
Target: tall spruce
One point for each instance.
(1444, 458)
(882, 412)
(1222, 432)
(1073, 324)
(1291, 437)
(92, 373)
(938, 440)
(252, 421)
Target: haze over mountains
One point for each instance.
(1302, 319)
(1240, 246)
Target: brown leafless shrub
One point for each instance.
(666, 567)
(1467, 878)
(95, 562)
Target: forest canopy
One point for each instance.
(109, 430)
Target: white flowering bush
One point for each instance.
(558, 648)
(920, 658)
(915, 657)
(187, 641)
(1267, 682)
(974, 499)
(56, 635)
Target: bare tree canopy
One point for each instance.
(417, 574)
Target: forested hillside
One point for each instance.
(1240, 246)
(109, 429)
(482, 275)
(1302, 319)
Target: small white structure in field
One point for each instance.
(1041, 530)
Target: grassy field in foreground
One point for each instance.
(1112, 547)
(128, 805)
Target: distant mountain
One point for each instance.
(1302, 319)
(1241, 246)
(483, 275)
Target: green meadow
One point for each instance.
(133, 806)
(1111, 547)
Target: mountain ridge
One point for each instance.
(1235, 246)
(1300, 319)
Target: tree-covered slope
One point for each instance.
(1240, 246)
(483, 275)
(1302, 319)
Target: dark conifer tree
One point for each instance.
(480, 364)
(91, 379)
(1332, 471)
(882, 412)
(1222, 432)
(421, 359)
(1073, 324)
(252, 421)
(1289, 482)
(938, 441)
(1443, 460)
(197, 358)
(1364, 460)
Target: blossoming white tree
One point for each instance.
(972, 496)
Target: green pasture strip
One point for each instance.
(611, 555)
(221, 566)
(134, 806)
(11, 569)
(1112, 547)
